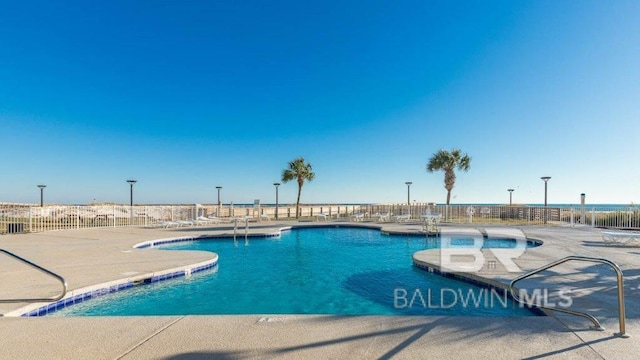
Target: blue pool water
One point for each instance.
(344, 271)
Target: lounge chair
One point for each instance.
(241, 219)
(185, 223)
(620, 237)
(168, 224)
(265, 216)
(204, 218)
(434, 217)
(321, 216)
(201, 220)
(383, 217)
(403, 218)
(164, 224)
(357, 217)
(217, 220)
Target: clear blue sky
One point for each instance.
(187, 95)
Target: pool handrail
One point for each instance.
(596, 323)
(40, 268)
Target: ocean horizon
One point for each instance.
(564, 205)
(589, 206)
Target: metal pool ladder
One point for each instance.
(246, 228)
(596, 323)
(40, 268)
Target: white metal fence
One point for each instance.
(18, 218)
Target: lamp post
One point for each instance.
(42, 194)
(545, 179)
(408, 183)
(218, 212)
(510, 196)
(276, 185)
(131, 182)
(218, 187)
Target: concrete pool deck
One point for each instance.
(94, 256)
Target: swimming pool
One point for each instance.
(340, 271)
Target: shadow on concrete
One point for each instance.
(610, 245)
(570, 348)
(205, 356)
(419, 331)
(409, 330)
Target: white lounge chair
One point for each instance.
(164, 224)
(403, 218)
(433, 217)
(357, 217)
(620, 237)
(383, 217)
(217, 220)
(168, 224)
(201, 220)
(321, 216)
(185, 223)
(241, 219)
(265, 217)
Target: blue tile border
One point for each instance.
(432, 269)
(154, 243)
(78, 298)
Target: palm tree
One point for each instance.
(448, 161)
(299, 171)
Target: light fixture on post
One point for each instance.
(546, 180)
(219, 204)
(510, 196)
(276, 185)
(131, 182)
(42, 194)
(218, 187)
(408, 183)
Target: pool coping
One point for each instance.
(79, 295)
(312, 336)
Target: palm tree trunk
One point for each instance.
(446, 209)
(298, 202)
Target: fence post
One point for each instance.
(30, 220)
(572, 217)
(593, 217)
